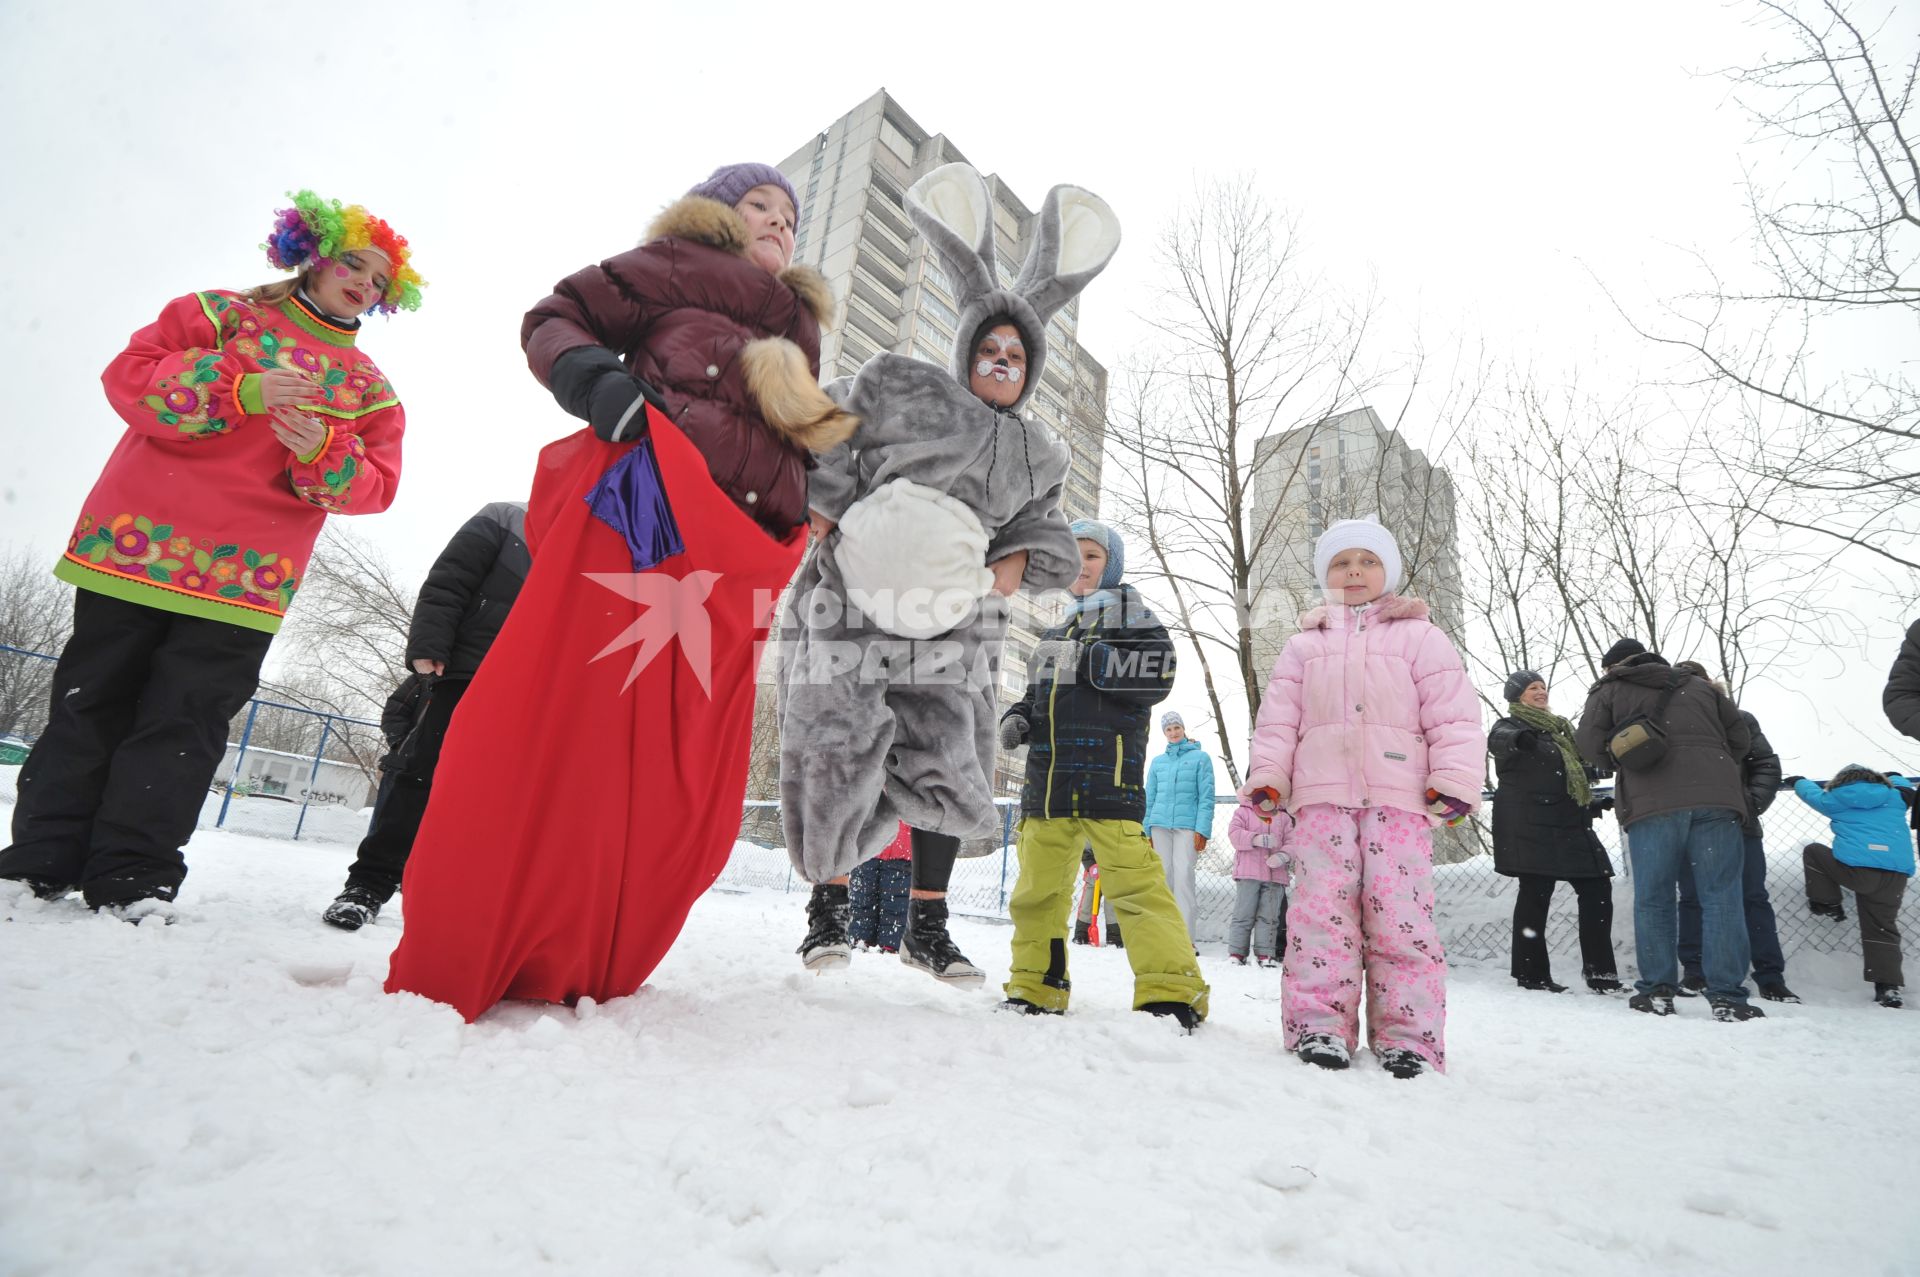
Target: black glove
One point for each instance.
(1791, 781)
(1013, 731)
(591, 383)
(1599, 805)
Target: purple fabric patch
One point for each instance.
(632, 501)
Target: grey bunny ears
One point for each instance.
(1074, 238)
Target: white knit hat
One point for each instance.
(1171, 717)
(1358, 534)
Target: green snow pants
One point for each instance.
(1164, 966)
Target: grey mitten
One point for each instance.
(1058, 653)
(1013, 731)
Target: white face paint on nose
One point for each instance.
(998, 372)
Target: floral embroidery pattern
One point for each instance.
(186, 400)
(330, 493)
(350, 384)
(138, 547)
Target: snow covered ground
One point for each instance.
(234, 1094)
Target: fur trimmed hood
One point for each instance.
(709, 222)
(1388, 607)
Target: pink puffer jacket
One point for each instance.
(1368, 707)
(1255, 836)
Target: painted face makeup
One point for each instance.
(996, 354)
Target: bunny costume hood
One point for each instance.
(934, 486)
(1075, 235)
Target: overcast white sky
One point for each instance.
(1480, 159)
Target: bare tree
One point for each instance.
(1252, 345)
(350, 623)
(36, 615)
(1832, 445)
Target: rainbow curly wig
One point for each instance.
(315, 228)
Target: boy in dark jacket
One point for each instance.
(1094, 680)
(1760, 770)
(1871, 856)
(463, 603)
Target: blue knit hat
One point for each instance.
(731, 181)
(1108, 540)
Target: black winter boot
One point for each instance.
(44, 890)
(826, 946)
(1655, 1001)
(1080, 933)
(1541, 984)
(1821, 909)
(1604, 983)
(1323, 1050)
(1888, 995)
(353, 909)
(1731, 1012)
(1403, 1062)
(1184, 1015)
(1113, 936)
(926, 946)
(1692, 985)
(1777, 991)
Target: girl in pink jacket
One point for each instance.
(1370, 735)
(1259, 839)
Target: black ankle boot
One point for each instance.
(826, 945)
(925, 945)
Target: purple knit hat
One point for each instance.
(731, 181)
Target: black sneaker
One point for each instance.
(1186, 1016)
(1655, 1001)
(353, 909)
(1778, 992)
(1113, 937)
(926, 946)
(1692, 985)
(1402, 1063)
(1604, 983)
(1887, 995)
(1028, 1008)
(1543, 985)
(1322, 1050)
(1821, 909)
(826, 947)
(1729, 1012)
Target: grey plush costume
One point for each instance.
(881, 720)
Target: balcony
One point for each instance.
(871, 258)
(870, 323)
(874, 231)
(884, 300)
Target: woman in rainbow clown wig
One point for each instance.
(250, 417)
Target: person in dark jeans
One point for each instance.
(1543, 814)
(463, 603)
(1760, 769)
(1674, 743)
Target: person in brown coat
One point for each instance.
(1686, 807)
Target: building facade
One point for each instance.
(893, 295)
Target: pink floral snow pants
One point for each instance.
(1362, 899)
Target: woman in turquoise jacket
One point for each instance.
(1871, 856)
(1180, 809)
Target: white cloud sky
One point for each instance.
(1480, 159)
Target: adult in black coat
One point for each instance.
(463, 603)
(1543, 835)
(1760, 769)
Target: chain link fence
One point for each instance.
(1472, 904)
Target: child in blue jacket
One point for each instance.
(1871, 856)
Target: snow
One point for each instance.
(235, 1093)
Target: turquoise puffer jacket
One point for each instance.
(1180, 789)
(1869, 822)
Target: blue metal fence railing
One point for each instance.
(344, 777)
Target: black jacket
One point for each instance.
(468, 591)
(1706, 741)
(1537, 827)
(1760, 769)
(1088, 714)
(1901, 700)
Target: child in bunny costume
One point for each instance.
(943, 504)
(1369, 734)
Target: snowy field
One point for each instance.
(235, 1094)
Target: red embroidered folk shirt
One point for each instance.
(201, 509)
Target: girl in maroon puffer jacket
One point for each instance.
(662, 534)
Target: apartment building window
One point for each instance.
(931, 303)
(930, 272)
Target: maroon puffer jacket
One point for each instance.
(734, 351)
